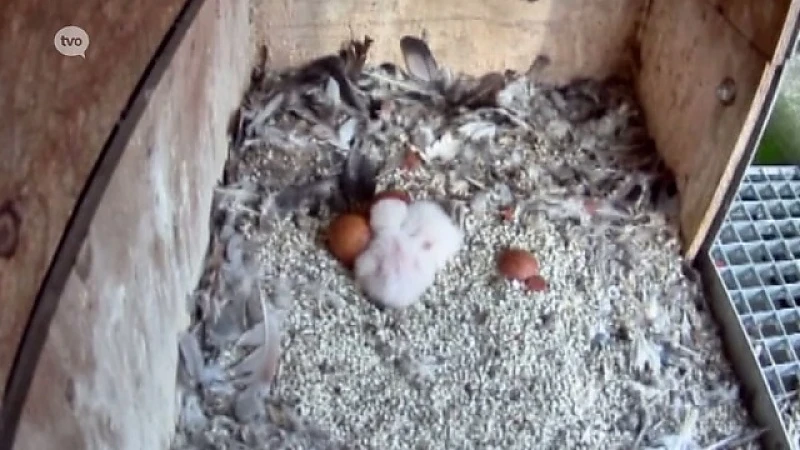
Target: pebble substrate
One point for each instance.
(620, 351)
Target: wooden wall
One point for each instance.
(106, 378)
(57, 112)
(688, 47)
(582, 37)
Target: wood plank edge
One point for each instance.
(54, 282)
(749, 136)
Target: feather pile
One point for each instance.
(318, 140)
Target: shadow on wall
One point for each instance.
(581, 37)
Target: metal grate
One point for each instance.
(756, 254)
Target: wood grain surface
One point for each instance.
(57, 112)
(106, 376)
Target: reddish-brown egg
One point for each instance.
(517, 264)
(536, 283)
(348, 236)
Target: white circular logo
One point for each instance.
(72, 41)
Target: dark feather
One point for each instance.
(419, 60)
(349, 190)
(540, 63)
(455, 91)
(310, 195)
(485, 93)
(578, 101)
(258, 74)
(354, 55)
(390, 68)
(333, 66)
(357, 181)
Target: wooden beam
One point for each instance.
(106, 374)
(57, 113)
(688, 50)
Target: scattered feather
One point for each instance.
(478, 130)
(736, 441)
(419, 60)
(250, 404)
(332, 91)
(330, 66)
(261, 365)
(484, 95)
(255, 336)
(192, 418)
(445, 148)
(646, 355)
(191, 355)
(684, 440)
(358, 180)
(347, 132)
(354, 55)
(266, 113)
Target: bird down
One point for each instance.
(411, 243)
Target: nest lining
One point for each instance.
(618, 352)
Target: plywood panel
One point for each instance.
(582, 37)
(56, 113)
(687, 50)
(756, 20)
(106, 378)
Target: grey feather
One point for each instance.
(249, 405)
(482, 94)
(347, 132)
(192, 418)
(261, 365)
(272, 106)
(191, 355)
(419, 60)
(330, 66)
(253, 337)
(309, 194)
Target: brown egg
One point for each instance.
(536, 283)
(517, 264)
(348, 236)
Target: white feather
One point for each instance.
(432, 230)
(411, 244)
(392, 271)
(388, 214)
(445, 148)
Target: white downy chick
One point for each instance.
(433, 231)
(387, 214)
(393, 271)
